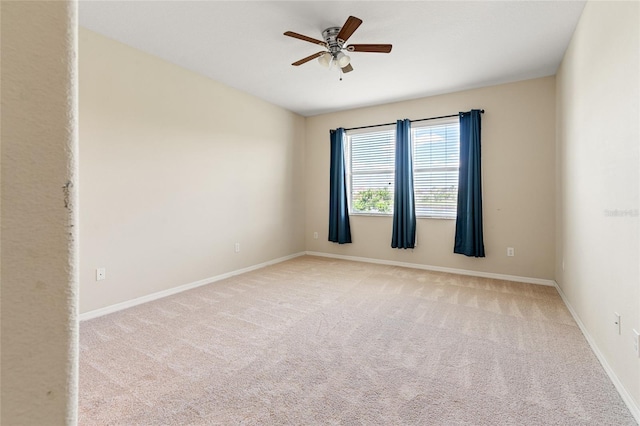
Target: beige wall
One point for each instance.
(175, 169)
(518, 182)
(39, 226)
(598, 141)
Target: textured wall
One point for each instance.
(518, 182)
(599, 181)
(39, 288)
(176, 168)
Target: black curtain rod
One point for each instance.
(421, 119)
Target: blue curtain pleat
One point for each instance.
(404, 210)
(339, 228)
(469, 239)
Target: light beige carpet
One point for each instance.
(321, 341)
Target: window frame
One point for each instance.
(433, 123)
(349, 167)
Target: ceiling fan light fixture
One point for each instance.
(343, 60)
(325, 59)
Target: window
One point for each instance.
(436, 158)
(370, 168)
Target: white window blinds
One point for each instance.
(435, 168)
(371, 170)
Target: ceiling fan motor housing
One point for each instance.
(334, 45)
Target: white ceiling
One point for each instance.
(438, 46)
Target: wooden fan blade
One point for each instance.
(308, 58)
(305, 38)
(347, 69)
(349, 27)
(376, 48)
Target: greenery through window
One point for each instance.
(370, 168)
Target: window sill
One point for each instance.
(371, 214)
(391, 216)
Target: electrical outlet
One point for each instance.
(511, 252)
(315, 235)
(616, 322)
(636, 342)
(237, 248)
(101, 274)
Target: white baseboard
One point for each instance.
(626, 397)
(504, 277)
(174, 290)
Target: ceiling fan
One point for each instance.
(334, 40)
